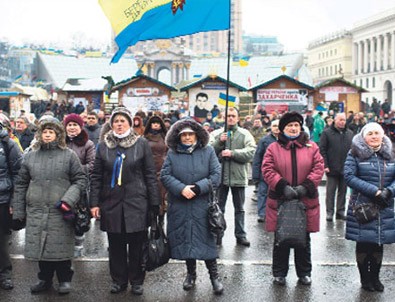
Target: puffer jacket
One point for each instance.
(50, 173)
(365, 172)
(7, 177)
(243, 146)
(187, 227)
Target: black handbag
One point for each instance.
(82, 220)
(291, 228)
(156, 249)
(216, 219)
(365, 212)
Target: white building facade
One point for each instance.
(373, 58)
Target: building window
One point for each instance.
(326, 71)
(319, 72)
(360, 83)
(331, 70)
(335, 69)
(335, 51)
(319, 56)
(331, 53)
(373, 82)
(367, 83)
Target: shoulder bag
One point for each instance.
(216, 219)
(156, 249)
(291, 228)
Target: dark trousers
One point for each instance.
(334, 183)
(5, 260)
(238, 194)
(63, 270)
(125, 252)
(302, 260)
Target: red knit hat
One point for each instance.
(73, 118)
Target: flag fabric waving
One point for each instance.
(141, 20)
(222, 100)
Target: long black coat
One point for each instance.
(139, 189)
(334, 146)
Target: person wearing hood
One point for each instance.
(293, 168)
(93, 127)
(50, 183)
(155, 133)
(369, 171)
(78, 141)
(138, 125)
(10, 163)
(124, 190)
(190, 172)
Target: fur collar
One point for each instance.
(361, 150)
(112, 142)
(172, 138)
(79, 140)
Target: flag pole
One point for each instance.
(227, 75)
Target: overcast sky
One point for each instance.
(294, 22)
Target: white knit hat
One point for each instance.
(373, 126)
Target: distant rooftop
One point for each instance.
(329, 38)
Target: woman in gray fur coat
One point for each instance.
(50, 183)
(190, 171)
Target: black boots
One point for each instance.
(215, 281)
(369, 259)
(212, 267)
(190, 279)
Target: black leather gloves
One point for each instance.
(290, 193)
(385, 197)
(196, 189)
(301, 190)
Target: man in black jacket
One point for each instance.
(22, 131)
(335, 142)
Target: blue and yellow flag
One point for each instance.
(222, 100)
(141, 20)
(244, 61)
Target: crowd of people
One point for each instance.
(129, 168)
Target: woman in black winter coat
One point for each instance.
(189, 173)
(123, 190)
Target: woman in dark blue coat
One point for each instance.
(370, 171)
(189, 172)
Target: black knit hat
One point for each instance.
(290, 117)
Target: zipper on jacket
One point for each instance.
(380, 187)
(294, 165)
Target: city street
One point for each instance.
(246, 272)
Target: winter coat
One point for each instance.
(93, 132)
(159, 150)
(49, 173)
(25, 138)
(365, 172)
(280, 169)
(263, 144)
(242, 144)
(140, 128)
(7, 177)
(85, 150)
(257, 133)
(187, 219)
(334, 146)
(129, 202)
(318, 127)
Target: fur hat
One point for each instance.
(123, 111)
(74, 118)
(371, 127)
(290, 117)
(55, 125)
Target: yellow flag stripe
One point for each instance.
(121, 13)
